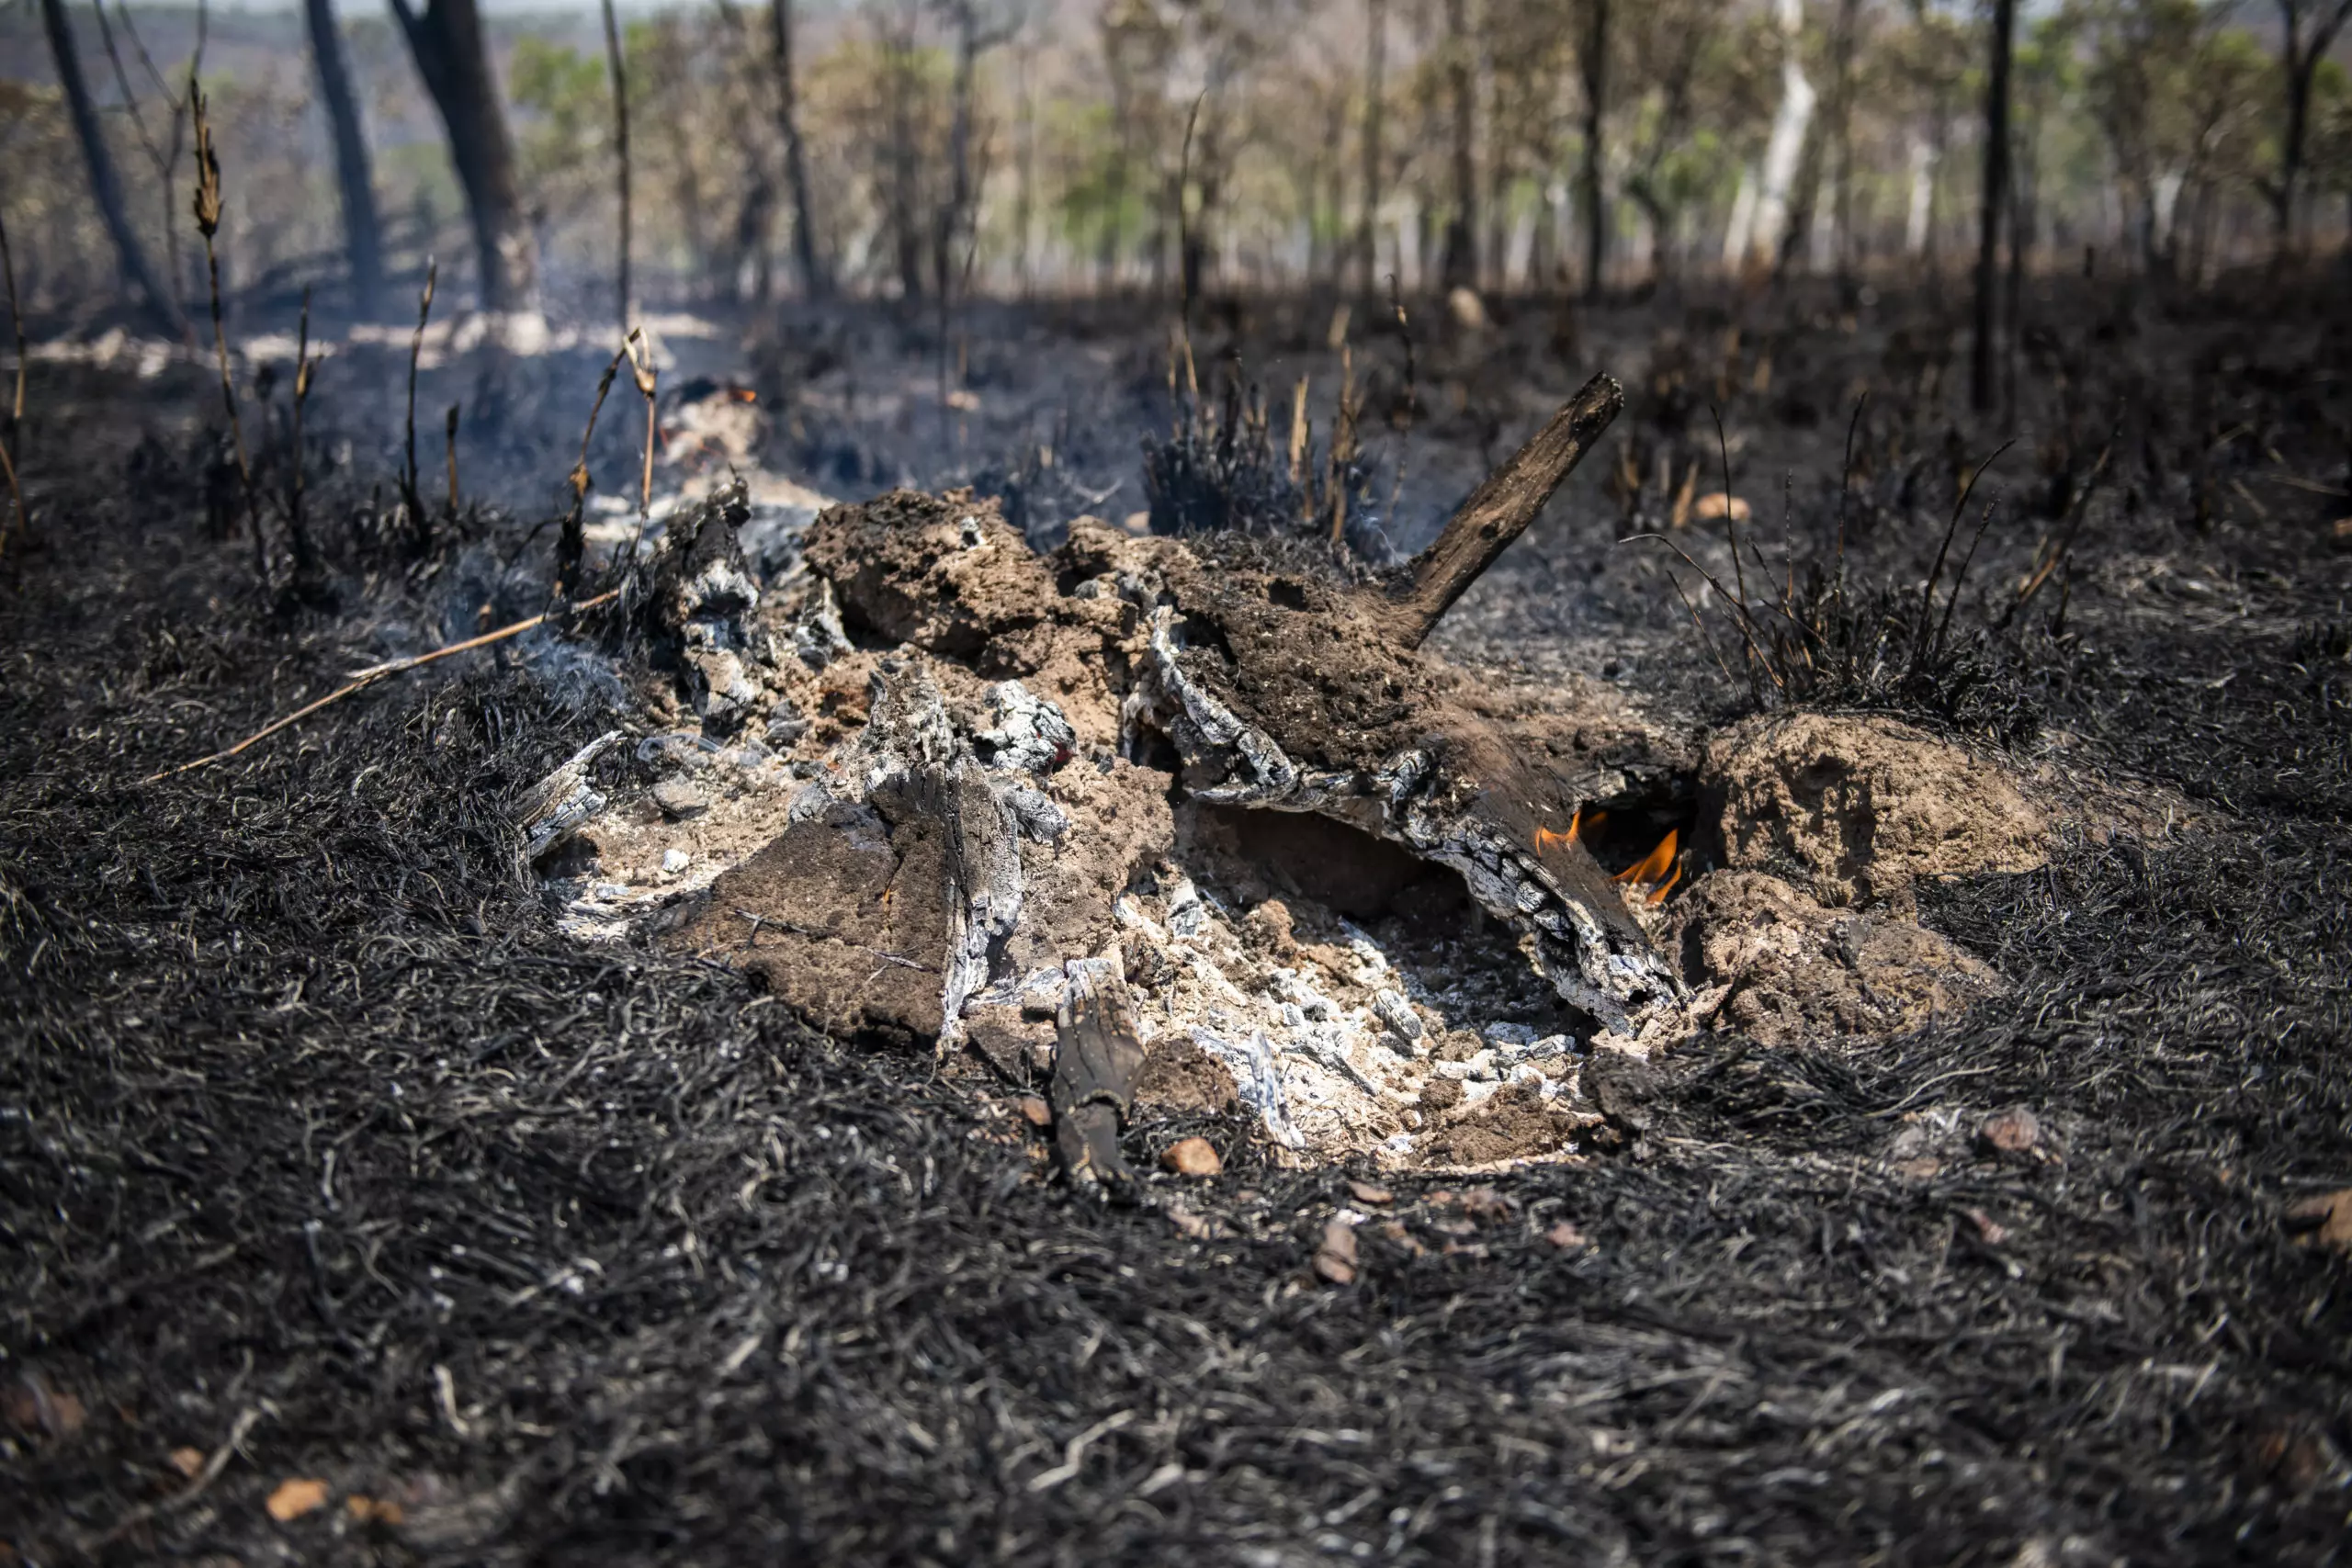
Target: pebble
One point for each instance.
(677, 798)
(675, 860)
(1334, 1260)
(2013, 1132)
(1193, 1156)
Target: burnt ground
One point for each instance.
(324, 1157)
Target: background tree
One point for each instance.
(105, 184)
(1460, 265)
(1594, 59)
(1376, 87)
(1993, 202)
(2308, 29)
(1768, 231)
(816, 282)
(445, 39)
(363, 235)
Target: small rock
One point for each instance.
(1394, 1230)
(2293, 1451)
(1478, 1067)
(1334, 1260)
(1988, 1230)
(187, 1462)
(2323, 1221)
(1365, 1192)
(2016, 1130)
(678, 799)
(1193, 1156)
(1565, 1236)
(675, 860)
(1036, 1112)
(32, 1406)
(294, 1499)
(1923, 1168)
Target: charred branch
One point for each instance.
(1499, 511)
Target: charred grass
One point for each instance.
(310, 1125)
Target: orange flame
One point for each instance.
(1547, 840)
(1656, 872)
(745, 395)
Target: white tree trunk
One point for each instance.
(1785, 148)
(1923, 197)
(2167, 205)
(1742, 226)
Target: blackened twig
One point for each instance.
(207, 208)
(417, 519)
(361, 680)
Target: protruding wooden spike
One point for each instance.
(1499, 511)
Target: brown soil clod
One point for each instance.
(1857, 810)
(1775, 964)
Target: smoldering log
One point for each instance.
(1280, 686)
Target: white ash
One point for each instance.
(1027, 733)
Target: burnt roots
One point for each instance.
(1811, 638)
(1827, 646)
(1219, 470)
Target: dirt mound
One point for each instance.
(1780, 967)
(1859, 809)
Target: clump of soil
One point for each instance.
(1777, 966)
(1859, 809)
(1518, 1121)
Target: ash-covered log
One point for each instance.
(1280, 685)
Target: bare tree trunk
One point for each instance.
(1842, 141)
(1024, 132)
(814, 282)
(1993, 200)
(106, 186)
(1194, 232)
(670, 79)
(446, 42)
(749, 242)
(907, 242)
(1595, 96)
(619, 69)
(1645, 196)
(2300, 57)
(1375, 72)
(363, 235)
(949, 226)
(1460, 266)
(1784, 150)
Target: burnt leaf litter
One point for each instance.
(324, 1157)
